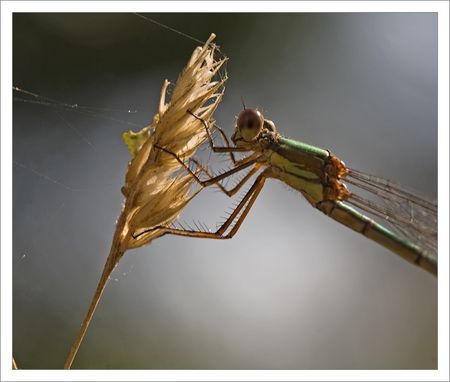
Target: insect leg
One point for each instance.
(215, 179)
(221, 149)
(246, 203)
(238, 186)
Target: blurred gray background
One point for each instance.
(293, 289)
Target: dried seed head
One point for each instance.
(155, 190)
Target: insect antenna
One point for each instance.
(243, 103)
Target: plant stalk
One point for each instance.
(113, 259)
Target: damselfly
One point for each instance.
(321, 177)
(311, 302)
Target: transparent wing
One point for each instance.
(409, 214)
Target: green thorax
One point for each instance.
(298, 146)
(301, 166)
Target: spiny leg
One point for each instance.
(222, 149)
(215, 179)
(249, 197)
(247, 202)
(237, 187)
(226, 142)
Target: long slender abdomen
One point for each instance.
(353, 219)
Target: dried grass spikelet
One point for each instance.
(155, 190)
(153, 196)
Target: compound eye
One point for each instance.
(251, 120)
